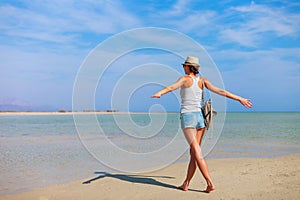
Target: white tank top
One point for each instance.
(191, 97)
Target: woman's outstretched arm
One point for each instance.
(170, 88)
(245, 102)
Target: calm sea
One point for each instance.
(40, 150)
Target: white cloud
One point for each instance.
(62, 21)
(187, 16)
(241, 37)
(263, 19)
(198, 22)
(258, 22)
(179, 8)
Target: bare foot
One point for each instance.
(184, 186)
(209, 188)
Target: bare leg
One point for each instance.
(196, 157)
(190, 173)
(192, 164)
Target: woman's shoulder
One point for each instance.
(185, 77)
(202, 80)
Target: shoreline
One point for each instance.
(77, 113)
(23, 113)
(241, 178)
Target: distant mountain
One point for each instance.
(13, 104)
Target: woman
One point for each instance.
(192, 122)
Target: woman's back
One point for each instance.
(191, 96)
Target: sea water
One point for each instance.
(40, 150)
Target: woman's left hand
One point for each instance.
(246, 102)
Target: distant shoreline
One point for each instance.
(76, 113)
(11, 113)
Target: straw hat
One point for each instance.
(193, 61)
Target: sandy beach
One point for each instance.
(235, 178)
(70, 113)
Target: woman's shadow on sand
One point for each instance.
(133, 179)
(149, 180)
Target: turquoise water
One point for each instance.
(259, 135)
(39, 150)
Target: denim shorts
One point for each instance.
(192, 120)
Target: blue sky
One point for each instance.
(255, 45)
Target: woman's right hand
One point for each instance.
(170, 88)
(156, 95)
